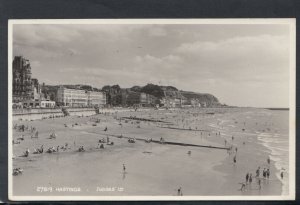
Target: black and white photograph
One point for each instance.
(152, 109)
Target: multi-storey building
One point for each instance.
(131, 98)
(71, 97)
(79, 98)
(22, 83)
(96, 98)
(36, 89)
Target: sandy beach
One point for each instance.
(154, 169)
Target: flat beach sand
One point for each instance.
(152, 169)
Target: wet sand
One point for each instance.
(151, 169)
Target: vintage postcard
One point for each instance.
(164, 109)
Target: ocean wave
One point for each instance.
(278, 149)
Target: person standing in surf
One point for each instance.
(258, 172)
(250, 179)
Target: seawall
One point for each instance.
(35, 114)
(40, 113)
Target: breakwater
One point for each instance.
(165, 142)
(40, 113)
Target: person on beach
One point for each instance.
(268, 173)
(264, 173)
(41, 150)
(26, 153)
(281, 175)
(35, 151)
(250, 179)
(259, 184)
(234, 159)
(21, 138)
(179, 191)
(243, 187)
(258, 172)
(247, 178)
(124, 168)
(81, 149)
(232, 138)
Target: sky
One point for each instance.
(240, 64)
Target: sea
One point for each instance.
(277, 144)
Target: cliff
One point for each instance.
(172, 92)
(209, 99)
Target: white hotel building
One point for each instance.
(96, 98)
(79, 98)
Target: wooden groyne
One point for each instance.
(185, 129)
(143, 119)
(166, 142)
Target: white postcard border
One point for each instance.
(292, 104)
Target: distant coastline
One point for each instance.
(278, 108)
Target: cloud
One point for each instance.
(252, 60)
(240, 58)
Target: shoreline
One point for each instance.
(260, 142)
(278, 167)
